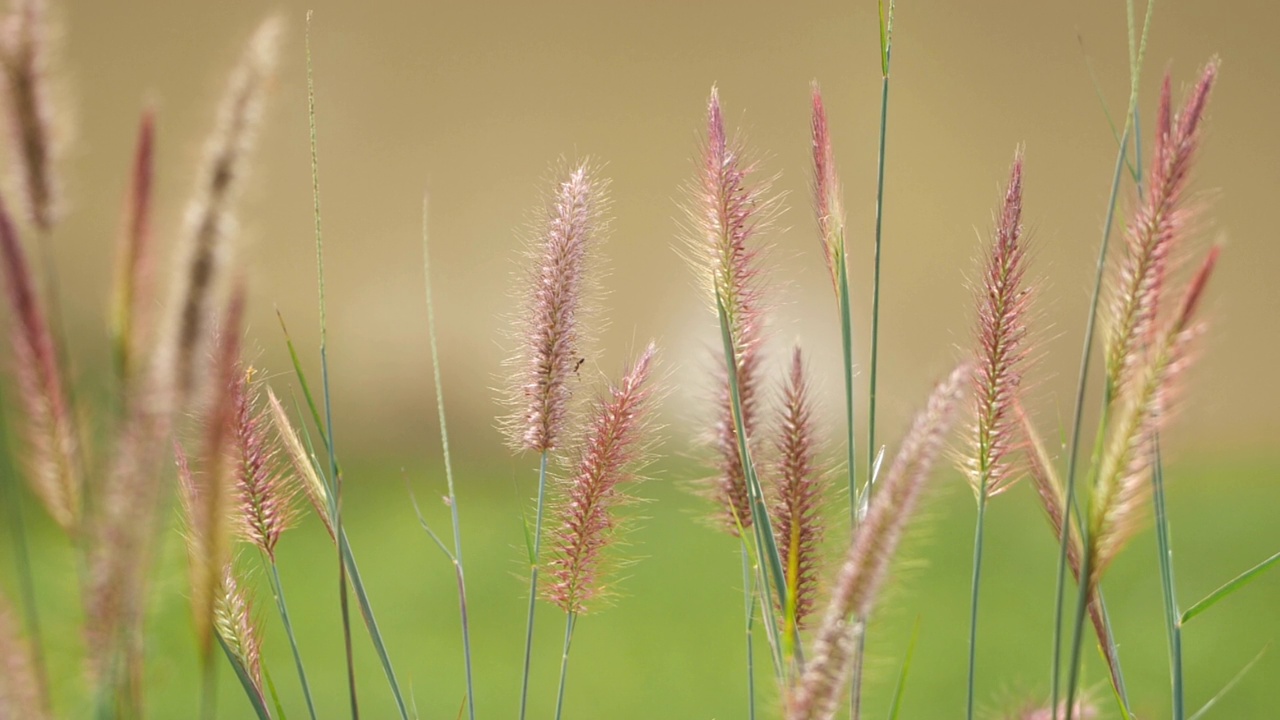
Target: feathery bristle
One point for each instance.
(132, 296)
(1082, 709)
(866, 563)
(304, 469)
(53, 449)
(826, 191)
(1122, 484)
(235, 623)
(610, 457)
(1157, 225)
(549, 327)
(263, 491)
(728, 209)
(205, 245)
(1003, 301)
(19, 686)
(23, 53)
(798, 492)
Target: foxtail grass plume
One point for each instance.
(609, 458)
(817, 694)
(132, 296)
(34, 141)
(205, 244)
(1123, 481)
(1082, 710)
(208, 496)
(798, 492)
(728, 208)
(235, 623)
(19, 684)
(302, 464)
(549, 328)
(264, 489)
(53, 443)
(1001, 353)
(828, 204)
(1158, 224)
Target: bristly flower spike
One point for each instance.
(799, 491)
(263, 490)
(549, 328)
(611, 456)
(728, 209)
(1159, 222)
(827, 193)
(54, 444)
(32, 126)
(1001, 355)
(235, 623)
(817, 695)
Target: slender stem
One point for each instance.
(1172, 614)
(570, 618)
(456, 555)
(973, 607)
(749, 594)
(324, 381)
(1077, 633)
(208, 687)
(533, 583)
(277, 589)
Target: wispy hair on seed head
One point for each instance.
(33, 130)
(555, 298)
(827, 194)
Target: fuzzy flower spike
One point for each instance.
(33, 133)
(1003, 302)
(549, 328)
(728, 209)
(610, 457)
(826, 192)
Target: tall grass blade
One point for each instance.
(1230, 587)
(534, 563)
(456, 555)
(250, 691)
(277, 590)
(749, 597)
(900, 688)
(1229, 686)
(570, 618)
(1172, 621)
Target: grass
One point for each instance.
(694, 664)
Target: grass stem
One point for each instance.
(570, 618)
(1173, 619)
(277, 590)
(749, 596)
(534, 564)
(978, 534)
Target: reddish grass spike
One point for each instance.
(133, 294)
(1123, 485)
(33, 140)
(1083, 710)
(798, 492)
(826, 190)
(19, 695)
(549, 329)
(728, 208)
(610, 457)
(866, 563)
(264, 494)
(1154, 232)
(53, 449)
(1003, 303)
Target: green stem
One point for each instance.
(533, 583)
(1172, 615)
(973, 607)
(564, 661)
(1077, 632)
(748, 593)
(277, 589)
(209, 685)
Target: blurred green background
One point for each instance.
(474, 102)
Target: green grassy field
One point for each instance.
(672, 644)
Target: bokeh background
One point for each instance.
(474, 103)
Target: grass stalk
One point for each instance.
(978, 535)
(456, 555)
(533, 583)
(277, 590)
(886, 55)
(749, 596)
(1173, 620)
(255, 699)
(570, 618)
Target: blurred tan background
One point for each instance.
(474, 102)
